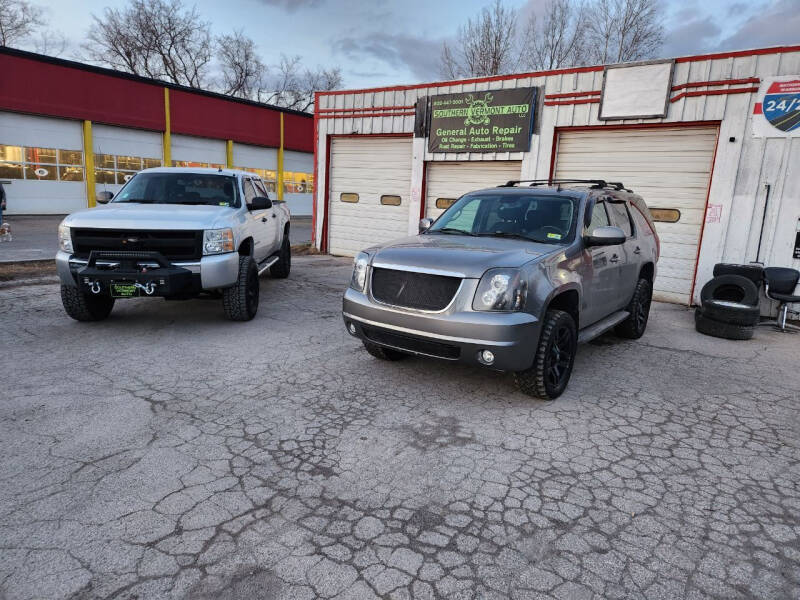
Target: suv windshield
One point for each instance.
(181, 188)
(535, 217)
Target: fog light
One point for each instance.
(351, 328)
(487, 357)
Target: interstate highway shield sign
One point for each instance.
(781, 105)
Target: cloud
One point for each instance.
(777, 24)
(293, 5)
(694, 35)
(420, 55)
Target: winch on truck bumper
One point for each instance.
(136, 273)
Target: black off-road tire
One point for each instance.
(754, 273)
(281, 269)
(634, 326)
(558, 328)
(241, 301)
(726, 331)
(384, 353)
(734, 288)
(735, 313)
(85, 307)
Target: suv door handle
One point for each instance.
(263, 219)
(614, 259)
(274, 216)
(638, 250)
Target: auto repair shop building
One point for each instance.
(711, 143)
(69, 130)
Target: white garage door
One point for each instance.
(368, 175)
(446, 181)
(670, 168)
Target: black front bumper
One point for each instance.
(128, 274)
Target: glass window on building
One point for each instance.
(296, 182)
(119, 169)
(40, 164)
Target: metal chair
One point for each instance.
(780, 283)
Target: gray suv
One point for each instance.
(511, 278)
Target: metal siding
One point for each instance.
(670, 168)
(126, 142)
(195, 149)
(369, 167)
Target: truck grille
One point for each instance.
(174, 245)
(412, 344)
(413, 290)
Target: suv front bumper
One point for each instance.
(210, 272)
(457, 334)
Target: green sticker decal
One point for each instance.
(224, 204)
(554, 236)
(123, 290)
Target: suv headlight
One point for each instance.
(64, 238)
(359, 279)
(501, 290)
(217, 241)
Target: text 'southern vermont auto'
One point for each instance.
(511, 278)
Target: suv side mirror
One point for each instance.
(104, 197)
(425, 224)
(605, 236)
(260, 203)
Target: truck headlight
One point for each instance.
(359, 279)
(64, 238)
(501, 290)
(217, 241)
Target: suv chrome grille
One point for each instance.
(413, 290)
(173, 244)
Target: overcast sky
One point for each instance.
(384, 42)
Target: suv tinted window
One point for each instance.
(599, 217)
(621, 217)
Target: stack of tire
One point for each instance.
(729, 302)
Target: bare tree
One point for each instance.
(555, 38)
(485, 46)
(292, 86)
(19, 20)
(623, 30)
(154, 38)
(242, 69)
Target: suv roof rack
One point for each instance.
(596, 183)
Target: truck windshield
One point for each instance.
(181, 188)
(539, 218)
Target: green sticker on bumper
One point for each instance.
(124, 290)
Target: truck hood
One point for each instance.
(470, 257)
(130, 215)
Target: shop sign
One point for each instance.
(491, 121)
(777, 111)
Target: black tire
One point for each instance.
(633, 327)
(734, 288)
(281, 269)
(735, 313)
(85, 307)
(754, 273)
(552, 365)
(384, 353)
(716, 329)
(241, 301)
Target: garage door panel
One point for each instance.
(669, 168)
(371, 168)
(454, 179)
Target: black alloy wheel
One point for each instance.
(548, 376)
(559, 362)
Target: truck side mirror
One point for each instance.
(605, 236)
(425, 224)
(104, 197)
(260, 203)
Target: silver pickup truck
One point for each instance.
(174, 233)
(511, 278)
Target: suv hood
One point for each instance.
(468, 256)
(129, 215)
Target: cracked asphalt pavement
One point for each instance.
(168, 453)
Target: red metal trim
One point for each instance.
(326, 111)
(553, 154)
(639, 126)
(562, 102)
(316, 180)
(694, 84)
(571, 94)
(362, 115)
(703, 224)
(738, 53)
(713, 93)
(326, 204)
